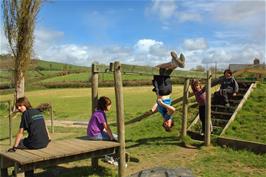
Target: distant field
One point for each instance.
(75, 104)
(41, 74)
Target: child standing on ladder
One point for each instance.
(200, 95)
(163, 89)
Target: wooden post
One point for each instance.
(120, 116)
(94, 98)
(94, 162)
(3, 171)
(207, 137)
(10, 122)
(94, 86)
(52, 117)
(16, 169)
(185, 108)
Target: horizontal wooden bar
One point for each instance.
(256, 147)
(148, 70)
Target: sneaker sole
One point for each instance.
(180, 61)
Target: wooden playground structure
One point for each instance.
(28, 160)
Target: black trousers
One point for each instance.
(162, 85)
(202, 117)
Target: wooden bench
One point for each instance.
(56, 152)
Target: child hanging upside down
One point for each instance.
(163, 89)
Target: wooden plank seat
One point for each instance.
(56, 152)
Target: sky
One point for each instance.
(143, 32)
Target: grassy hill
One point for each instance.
(45, 74)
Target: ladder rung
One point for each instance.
(222, 113)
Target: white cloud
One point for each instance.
(4, 46)
(188, 16)
(145, 45)
(195, 44)
(145, 51)
(165, 9)
(229, 34)
(245, 17)
(239, 11)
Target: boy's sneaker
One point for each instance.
(178, 61)
(227, 105)
(110, 160)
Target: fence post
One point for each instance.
(207, 137)
(94, 86)
(120, 116)
(10, 122)
(52, 117)
(185, 108)
(94, 98)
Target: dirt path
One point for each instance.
(68, 123)
(179, 158)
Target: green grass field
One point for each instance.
(146, 140)
(250, 123)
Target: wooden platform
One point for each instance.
(55, 153)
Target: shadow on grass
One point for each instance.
(4, 138)
(172, 140)
(59, 171)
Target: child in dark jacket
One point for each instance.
(32, 121)
(229, 87)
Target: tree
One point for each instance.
(19, 23)
(199, 68)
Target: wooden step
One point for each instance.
(223, 108)
(234, 101)
(238, 97)
(219, 116)
(243, 89)
(221, 113)
(219, 122)
(244, 85)
(244, 81)
(217, 130)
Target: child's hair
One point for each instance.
(103, 102)
(195, 83)
(228, 71)
(168, 129)
(23, 101)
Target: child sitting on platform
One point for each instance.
(98, 128)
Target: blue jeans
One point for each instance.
(103, 136)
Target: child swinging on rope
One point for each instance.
(163, 89)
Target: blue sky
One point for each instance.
(144, 32)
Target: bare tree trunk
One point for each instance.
(19, 23)
(20, 88)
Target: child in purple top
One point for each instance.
(98, 128)
(200, 96)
